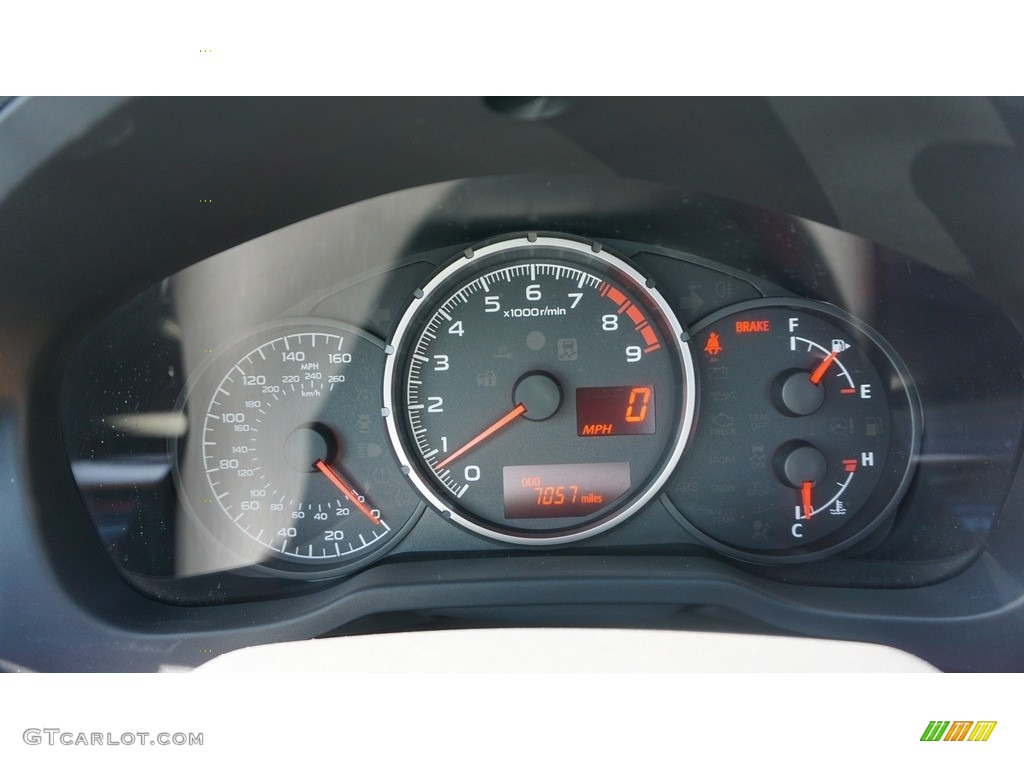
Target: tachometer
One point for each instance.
(541, 390)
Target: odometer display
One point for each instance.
(513, 358)
(563, 490)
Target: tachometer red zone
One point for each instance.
(634, 313)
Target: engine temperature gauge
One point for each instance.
(808, 428)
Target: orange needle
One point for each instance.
(820, 370)
(345, 488)
(805, 497)
(509, 417)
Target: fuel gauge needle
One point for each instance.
(504, 421)
(345, 487)
(819, 372)
(805, 497)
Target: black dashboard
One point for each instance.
(335, 367)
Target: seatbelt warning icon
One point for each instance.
(714, 346)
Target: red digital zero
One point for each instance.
(604, 411)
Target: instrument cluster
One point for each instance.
(535, 390)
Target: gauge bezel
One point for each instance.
(467, 265)
(896, 481)
(275, 565)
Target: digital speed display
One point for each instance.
(604, 411)
(563, 490)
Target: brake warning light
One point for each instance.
(753, 326)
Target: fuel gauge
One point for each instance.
(808, 428)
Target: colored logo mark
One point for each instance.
(958, 730)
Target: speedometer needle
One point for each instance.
(346, 488)
(508, 418)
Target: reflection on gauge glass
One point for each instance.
(286, 462)
(808, 431)
(540, 391)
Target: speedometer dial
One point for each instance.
(286, 461)
(540, 392)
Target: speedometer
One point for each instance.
(539, 391)
(285, 462)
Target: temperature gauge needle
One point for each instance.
(805, 498)
(504, 421)
(346, 488)
(819, 372)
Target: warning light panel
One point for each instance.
(606, 411)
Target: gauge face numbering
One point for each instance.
(539, 392)
(808, 430)
(292, 464)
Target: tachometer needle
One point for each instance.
(822, 367)
(805, 497)
(346, 488)
(508, 418)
